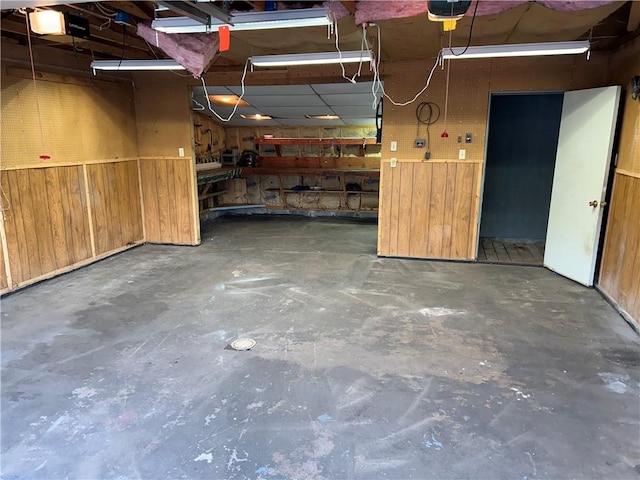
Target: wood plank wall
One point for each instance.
(47, 217)
(165, 124)
(167, 193)
(619, 278)
(430, 208)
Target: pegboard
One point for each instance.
(79, 122)
(470, 85)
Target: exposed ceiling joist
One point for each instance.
(634, 17)
(349, 5)
(186, 9)
(214, 11)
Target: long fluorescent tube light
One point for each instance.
(321, 58)
(517, 50)
(306, 17)
(136, 65)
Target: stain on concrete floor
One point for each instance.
(365, 367)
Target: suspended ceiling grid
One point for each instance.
(289, 104)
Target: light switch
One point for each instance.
(394, 146)
(394, 162)
(181, 152)
(462, 154)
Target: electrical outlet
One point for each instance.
(462, 154)
(419, 142)
(394, 162)
(467, 138)
(181, 152)
(394, 146)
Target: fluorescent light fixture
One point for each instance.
(47, 22)
(321, 58)
(323, 117)
(228, 100)
(517, 50)
(257, 116)
(136, 65)
(306, 17)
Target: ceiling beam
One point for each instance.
(214, 11)
(634, 17)
(137, 9)
(257, 5)
(112, 50)
(186, 9)
(349, 5)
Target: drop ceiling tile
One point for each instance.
(363, 99)
(345, 87)
(273, 90)
(212, 91)
(284, 100)
(355, 111)
(359, 121)
(303, 122)
(296, 111)
(243, 122)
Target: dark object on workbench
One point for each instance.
(249, 158)
(353, 187)
(299, 188)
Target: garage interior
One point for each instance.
(141, 236)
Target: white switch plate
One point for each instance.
(462, 154)
(394, 146)
(394, 162)
(181, 152)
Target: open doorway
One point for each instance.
(521, 153)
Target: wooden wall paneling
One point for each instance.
(420, 209)
(62, 251)
(98, 206)
(384, 212)
(436, 210)
(5, 270)
(75, 214)
(177, 210)
(462, 242)
(24, 201)
(404, 208)
(43, 220)
(148, 180)
(621, 258)
(394, 223)
(14, 229)
(449, 213)
(163, 201)
(136, 230)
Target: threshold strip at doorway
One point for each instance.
(509, 251)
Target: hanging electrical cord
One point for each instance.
(433, 110)
(362, 44)
(379, 87)
(35, 85)
(473, 20)
(235, 107)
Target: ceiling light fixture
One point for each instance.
(321, 58)
(47, 22)
(228, 100)
(118, 65)
(517, 50)
(257, 116)
(323, 117)
(306, 17)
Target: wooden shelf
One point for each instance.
(329, 172)
(315, 141)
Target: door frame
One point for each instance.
(486, 148)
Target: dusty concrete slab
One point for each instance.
(364, 367)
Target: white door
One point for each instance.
(580, 180)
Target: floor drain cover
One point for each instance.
(243, 344)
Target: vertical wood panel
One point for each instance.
(54, 194)
(436, 210)
(384, 210)
(448, 222)
(97, 201)
(395, 220)
(24, 201)
(14, 230)
(164, 201)
(184, 219)
(621, 252)
(75, 213)
(150, 199)
(172, 206)
(404, 208)
(43, 219)
(135, 218)
(462, 210)
(3, 272)
(420, 209)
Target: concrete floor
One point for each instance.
(365, 368)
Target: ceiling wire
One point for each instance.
(235, 107)
(35, 86)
